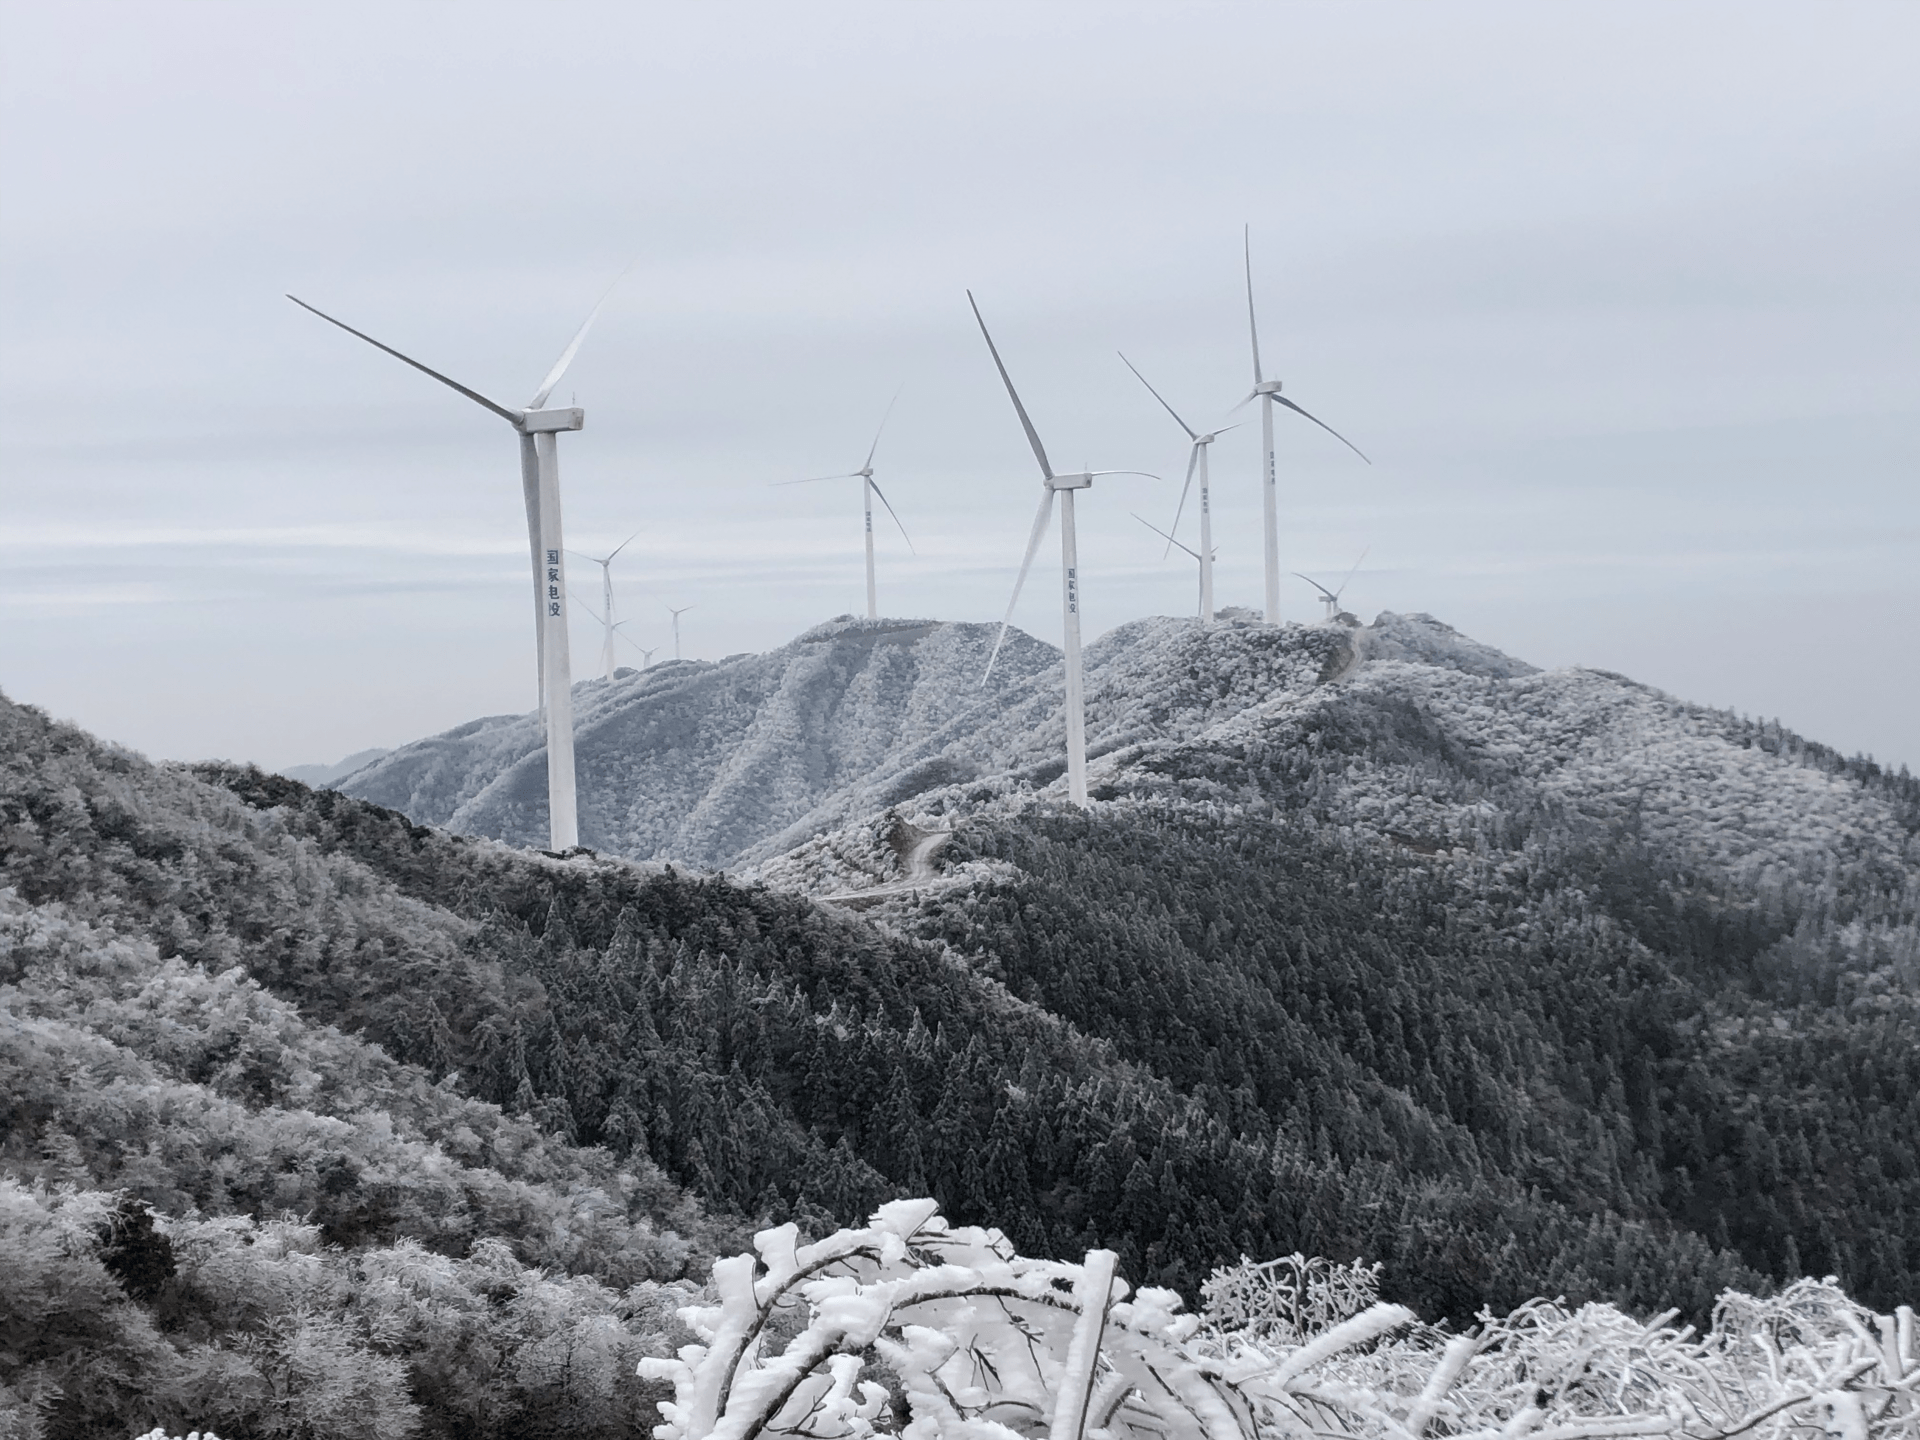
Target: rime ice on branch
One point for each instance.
(990, 1345)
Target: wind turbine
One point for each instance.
(540, 483)
(1205, 566)
(1268, 392)
(1196, 463)
(606, 600)
(869, 488)
(1331, 598)
(613, 628)
(1063, 486)
(676, 627)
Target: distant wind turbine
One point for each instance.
(869, 488)
(1205, 613)
(540, 483)
(1196, 464)
(606, 600)
(1063, 486)
(676, 627)
(1331, 598)
(618, 627)
(1268, 393)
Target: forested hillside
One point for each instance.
(1517, 983)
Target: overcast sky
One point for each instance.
(1620, 298)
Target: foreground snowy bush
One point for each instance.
(940, 1331)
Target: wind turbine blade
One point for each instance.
(1193, 463)
(1171, 542)
(874, 448)
(1350, 574)
(890, 510)
(573, 345)
(584, 606)
(1033, 543)
(1282, 400)
(1253, 328)
(622, 545)
(1148, 473)
(816, 479)
(1033, 436)
(473, 395)
(1325, 594)
(1252, 396)
(1191, 433)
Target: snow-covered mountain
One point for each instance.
(1405, 732)
(1404, 729)
(704, 762)
(1376, 942)
(327, 776)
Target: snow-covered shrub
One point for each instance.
(985, 1344)
(1288, 1299)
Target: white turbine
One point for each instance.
(1268, 393)
(606, 600)
(1206, 612)
(676, 627)
(869, 487)
(1331, 598)
(1063, 486)
(618, 627)
(540, 483)
(1196, 464)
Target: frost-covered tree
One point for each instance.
(980, 1343)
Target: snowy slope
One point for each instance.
(1403, 729)
(697, 761)
(732, 763)
(1407, 733)
(1436, 741)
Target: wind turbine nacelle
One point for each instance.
(545, 422)
(1082, 481)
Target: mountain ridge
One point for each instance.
(734, 765)
(728, 764)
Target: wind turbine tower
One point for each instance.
(869, 487)
(1331, 598)
(539, 430)
(676, 627)
(1205, 565)
(1268, 393)
(1063, 486)
(605, 617)
(1196, 465)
